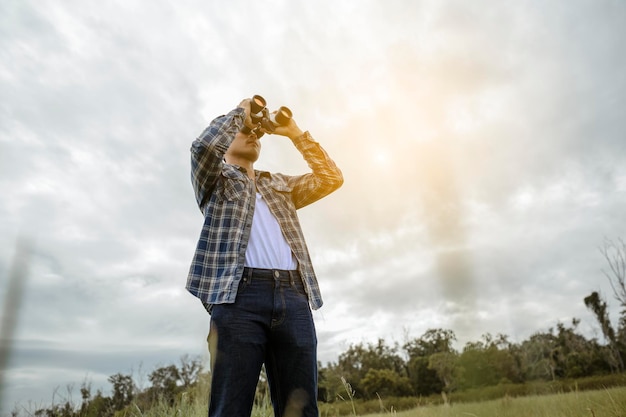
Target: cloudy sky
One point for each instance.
(482, 145)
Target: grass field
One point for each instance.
(601, 403)
(604, 403)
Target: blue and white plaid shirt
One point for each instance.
(226, 198)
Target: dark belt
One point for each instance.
(272, 274)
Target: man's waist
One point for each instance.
(271, 274)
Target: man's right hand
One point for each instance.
(245, 105)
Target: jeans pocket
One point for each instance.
(298, 287)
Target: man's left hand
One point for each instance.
(290, 130)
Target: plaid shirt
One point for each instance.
(226, 198)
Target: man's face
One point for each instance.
(245, 146)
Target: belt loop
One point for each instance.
(292, 278)
(276, 278)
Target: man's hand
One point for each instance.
(291, 129)
(245, 105)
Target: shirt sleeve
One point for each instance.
(207, 152)
(324, 178)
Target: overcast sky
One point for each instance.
(482, 145)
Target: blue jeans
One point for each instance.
(270, 322)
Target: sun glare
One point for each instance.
(382, 158)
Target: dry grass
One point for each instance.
(604, 403)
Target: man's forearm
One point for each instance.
(207, 152)
(325, 177)
(217, 137)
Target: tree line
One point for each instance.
(167, 384)
(430, 364)
(421, 366)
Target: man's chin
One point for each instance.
(253, 156)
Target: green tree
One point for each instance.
(599, 307)
(190, 368)
(354, 364)
(445, 364)
(432, 341)
(576, 353)
(385, 383)
(540, 356)
(424, 379)
(614, 253)
(123, 390)
(164, 383)
(97, 406)
(489, 362)
(329, 382)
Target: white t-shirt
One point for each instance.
(267, 247)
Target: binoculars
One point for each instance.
(262, 118)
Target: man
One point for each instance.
(252, 269)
